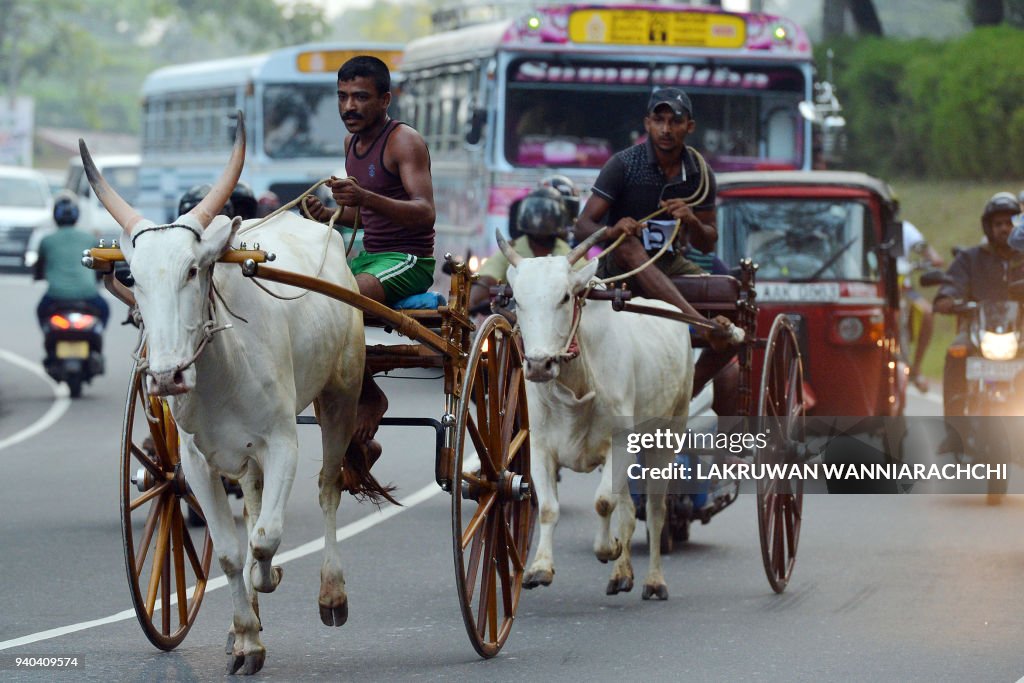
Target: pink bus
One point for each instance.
(560, 89)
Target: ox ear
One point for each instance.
(216, 240)
(584, 275)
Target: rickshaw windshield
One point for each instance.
(800, 239)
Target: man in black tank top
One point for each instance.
(394, 197)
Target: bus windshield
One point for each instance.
(800, 239)
(578, 113)
(301, 121)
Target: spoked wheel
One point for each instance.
(168, 563)
(492, 510)
(780, 502)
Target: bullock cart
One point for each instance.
(482, 458)
(772, 398)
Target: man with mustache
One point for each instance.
(663, 173)
(393, 195)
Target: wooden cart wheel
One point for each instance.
(492, 508)
(164, 557)
(780, 502)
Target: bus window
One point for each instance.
(301, 121)
(578, 114)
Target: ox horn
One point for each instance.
(514, 258)
(122, 212)
(213, 202)
(583, 247)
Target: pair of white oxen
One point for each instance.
(235, 402)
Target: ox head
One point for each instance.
(545, 291)
(172, 266)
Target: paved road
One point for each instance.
(886, 588)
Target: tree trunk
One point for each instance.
(834, 18)
(987, 12)
(865, 17)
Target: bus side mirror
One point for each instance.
(476, 127)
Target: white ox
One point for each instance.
(235, 406)
(627, 365)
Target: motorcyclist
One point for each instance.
(196, 193)
(60, 264)
(542, 221)
(243, 201)
(979, 273)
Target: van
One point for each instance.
(122, 172)
(25, 209)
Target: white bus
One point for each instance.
(289, 98)
(560, 89)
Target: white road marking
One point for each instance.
(347, 531)
(60, 404)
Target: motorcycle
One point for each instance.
(995, 378)
(73, 339)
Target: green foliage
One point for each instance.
(948, 110)
(84, 60)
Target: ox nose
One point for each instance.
(167, 383)
(541, 369)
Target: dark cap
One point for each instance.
(674, 98)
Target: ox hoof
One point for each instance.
(247, 665)
(605, 556)
(334, 616)
(623, 585)
(660, 592)
(539, 577)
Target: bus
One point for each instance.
(560, 89)
(294, 136)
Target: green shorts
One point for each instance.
(400, 275)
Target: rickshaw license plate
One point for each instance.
(72, 349)
(798, 291)
(993, 370)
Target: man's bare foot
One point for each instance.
(372, 406)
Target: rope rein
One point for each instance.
(572, 349)
(300, 202)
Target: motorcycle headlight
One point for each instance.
(999, 346)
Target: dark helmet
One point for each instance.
(542, 213)
(243, 201)
(65, 209)
(565, 187)
(195, 194)
(1000, 202)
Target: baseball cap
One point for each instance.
(674, 98)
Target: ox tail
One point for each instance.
(356, 477)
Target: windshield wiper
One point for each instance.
(813, 277)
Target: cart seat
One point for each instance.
(709, 292)
(421, 307)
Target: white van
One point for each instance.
(122, 172)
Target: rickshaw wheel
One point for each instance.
(492, 502)
(780, 502)
(163, 555)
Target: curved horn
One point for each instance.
(513, 257)
(583, 247)
(122, 212)
(213, 202)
